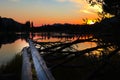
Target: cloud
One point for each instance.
(86, 11)
(83, 6)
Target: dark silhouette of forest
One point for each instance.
(10, 25)
(105, 26)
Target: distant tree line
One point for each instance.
(10, 25)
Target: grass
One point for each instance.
(12, 69)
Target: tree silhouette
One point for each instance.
(27, 23)
(108, 6)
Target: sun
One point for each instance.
(90, 22)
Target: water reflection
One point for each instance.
(8, 51)
(53, 37)
(8, 38)
(12, 43)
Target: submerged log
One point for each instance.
(63, 45)
(77, 54)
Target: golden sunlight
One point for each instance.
(90, 22)
(97, 8)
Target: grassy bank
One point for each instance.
(12, 70)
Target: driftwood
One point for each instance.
(67, 57)
(26, 67)
(40, 66)
(41, 69)
(59, 47)
(64, 45)
(78, 53)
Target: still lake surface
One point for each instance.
(13, 43)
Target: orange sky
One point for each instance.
(48, 11)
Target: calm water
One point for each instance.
(12, 44)
(8, 51)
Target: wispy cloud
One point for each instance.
(83, 6)
(86, 11)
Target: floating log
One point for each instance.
(26, 66)
(42, 71)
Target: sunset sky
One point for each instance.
(48, 11)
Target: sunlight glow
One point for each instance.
(96, 8)
(90, 22)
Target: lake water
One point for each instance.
(8, 51)
(12, 44)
